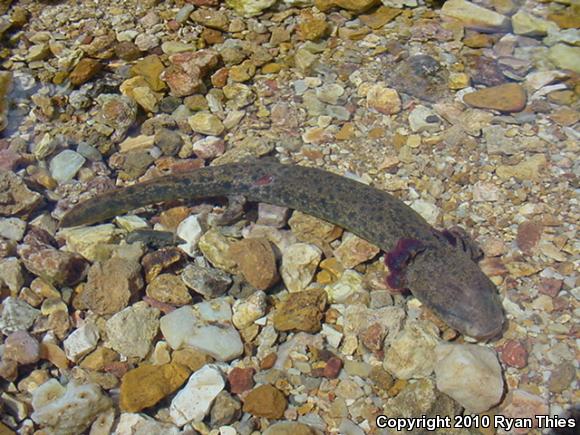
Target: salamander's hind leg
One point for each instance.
(459, 238)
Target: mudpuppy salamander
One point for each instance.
(431, 264)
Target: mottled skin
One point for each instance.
(441, 275)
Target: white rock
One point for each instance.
(132, 330)
(81, 342)
(299, 263)
(348, 284)
(89, 241)
(333, 337)
(65, 165)
(185, 327)
(216, 310)
(141, 424)
(470, 374)
(423, 119)
(429, 211)
(412, 353)
(67, 411)
(16, 315)
(189, 230)
(192, 403)
(246, 311)
(131, 222)
(228, 430)
(12, 228)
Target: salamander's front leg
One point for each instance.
(398, 258)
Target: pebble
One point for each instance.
(289, 428)
(301, 311)
(190, 230)
(170, 289)
(193, 401)
(265, 401)
(84, 71)
(423, 119)
(510, 97)
(11, 274)
(215, 248)
(130, 424)
(225, 410)
(312, 230)
(247, 311)
(256, 261)
(272, 215)
(12, 228)
(513, 353)
(131, 331)
(91, 242)
(475, 17)
(528, 169)
(383, 99)
(21, 347)
(206, 123)
(208, 282)
(565, 56)
(81, 342)
(67, 410)
(526, 24)
(299, 263)
(146, 385)
(523, 404)
(241, 379)
(354, 250)
(349, 284)
(111, 284)
(16, 315)
(155, 262)
(470, 374)
(19, 199)
(184, 327)
(562, 377)
(209, 147)
(412, 352)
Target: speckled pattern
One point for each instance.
(442, 276)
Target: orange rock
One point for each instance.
(146, 385)
(510, 97)
(266, 401)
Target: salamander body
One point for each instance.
(431, 264)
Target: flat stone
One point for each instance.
(299, 263)
(16, 315)
(193, 402)
(565, 56)
(81, 342)
(85, 70)
(146, 385)
(170, 289)
(206, 123)
(510, 97)
(475, 17)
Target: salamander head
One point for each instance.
(450, 283)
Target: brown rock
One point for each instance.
(268, 361)
(521, 404)
(5, 430)
(241, 379)
(354, 250)
(21, 347)
(332, 368)
(256, 260)
(191, 358)
(265, 401)
(510, 97)
(311, 230)
(169, 289)
(110, 285)
(54, 266)
(15, 197)
(514, 354)
(302, 311)
(51, 352)
(127, 50)
(528, 237)
(150, 68)
(350, 5)
(147, 385)
(550, 286)
(85, 70)
(562, 377)
(380, 17)
(99, 358)
(373, 336)
(8, 369)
